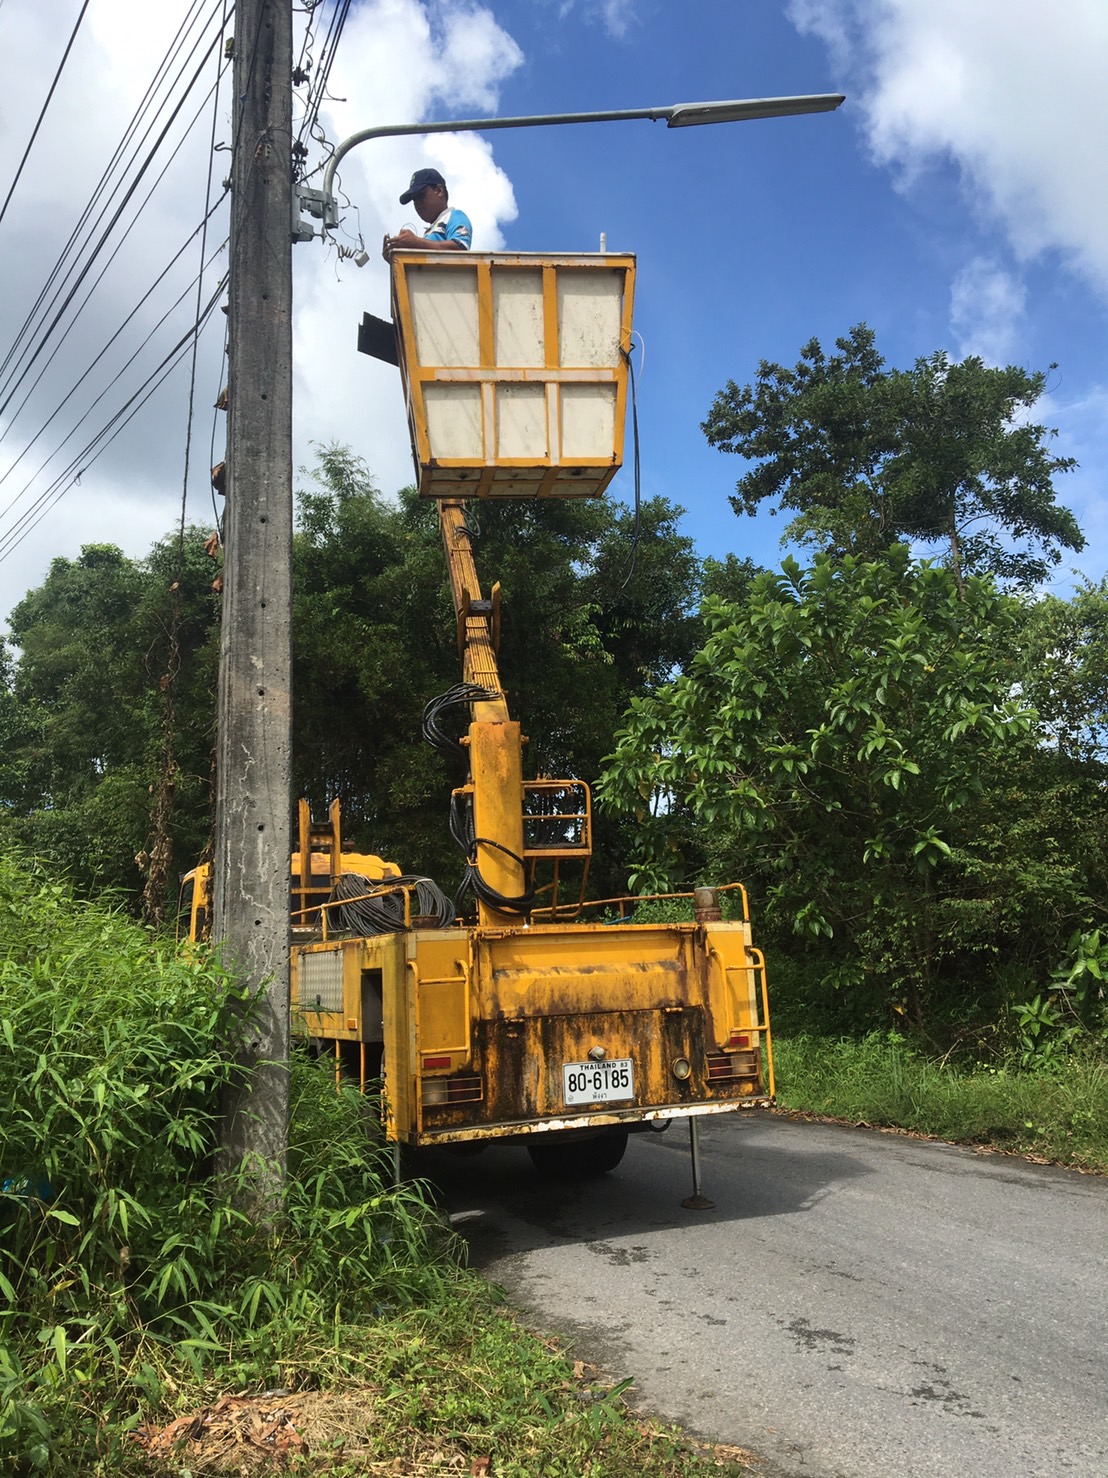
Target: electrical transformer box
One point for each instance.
(515, 370)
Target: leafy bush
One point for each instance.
(123, 1257)
(1072, 1012)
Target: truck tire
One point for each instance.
(578, 1159)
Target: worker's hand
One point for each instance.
(386, 246)
(407, 238)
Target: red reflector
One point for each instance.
(737, 1039)
(430, 1064)
(719, 1067)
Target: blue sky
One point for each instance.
(958, 200)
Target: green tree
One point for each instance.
(590, 616)
(113, 649)
(97, 652)
(1067, 671)
(943, 456)
(850, 741)
(731, 577)
(368, 646)
(14, 735)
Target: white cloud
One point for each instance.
(1011, 94)
(475, 57)
(1012, 91)
(400, 61)
(986, 307)
(616, 16)
(429, 64)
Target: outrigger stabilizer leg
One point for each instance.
(696, 1202)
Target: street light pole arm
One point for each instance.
(677, 115)
(470, 125)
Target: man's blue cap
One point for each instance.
(419, 181)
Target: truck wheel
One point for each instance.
(578, 1159)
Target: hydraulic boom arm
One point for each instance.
(495, 741)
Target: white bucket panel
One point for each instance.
(523, 483)
(444, 311)
(590, 310)
(454, 426)
(455, 482)
(588, 422)
(521, 422)
(517, 316)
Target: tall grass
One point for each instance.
(132, 1289)
(1060, 1114)
(121, 1258)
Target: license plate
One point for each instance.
(598, 1082)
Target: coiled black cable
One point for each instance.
(462, 828)
(384, 913)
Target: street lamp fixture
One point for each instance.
(321, 203)
(684, 115)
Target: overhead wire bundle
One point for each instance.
(152, 139)
(160, 125)
(317, 84)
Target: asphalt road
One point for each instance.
(856, 1304)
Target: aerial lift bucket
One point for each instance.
(515, 370)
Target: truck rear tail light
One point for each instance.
(739, 1039)
(461, 1088)
(731, 1065)
(465, 1088)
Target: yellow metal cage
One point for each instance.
(515, 370)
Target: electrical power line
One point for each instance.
(317, 89)
(92, 450)
(105, 236)
(74, 388)
(138, 128)
(60, 303)
(43, 111)
(143, 297)
(14, 534)
(130, 131)
(195, 348)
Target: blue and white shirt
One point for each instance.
(451, 225)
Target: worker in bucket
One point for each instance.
(446, 229)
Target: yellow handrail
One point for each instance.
(634, 899)
(761, 968)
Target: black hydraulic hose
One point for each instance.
(464, 833)
(460, 693)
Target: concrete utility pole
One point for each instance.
(252, 832)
